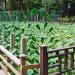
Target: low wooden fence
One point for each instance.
(64, 59)
(7, 58)
(64, 62)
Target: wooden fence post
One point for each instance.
(22, 64)
(43, 60)
(23, 44)
(8, 60)
(3, 38)
(12, 41)
(23, 56)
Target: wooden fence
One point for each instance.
(7, 57)
(64, 59)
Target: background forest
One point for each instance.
(25, 9)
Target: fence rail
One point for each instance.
(7, 57)
(64, 60)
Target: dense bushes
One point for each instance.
(52, 34)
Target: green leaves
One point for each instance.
(15, 52)
(52, 61)
(34, 12)
(42, 40)
(51, 39)
(38, 27)
(39, 33)
(50, 29)
(29, 72)
(29, 25)
(33, 38)
(22, 29)
(45, 25)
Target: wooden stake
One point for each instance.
(12, 41)
(3, 38)
(23, 56)
(23, 44)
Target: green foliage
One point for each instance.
(42, 40)
(38, 27)
(34, 12)
(50, 29)
(52, 34)
(45, 25)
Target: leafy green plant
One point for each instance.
(52, 34)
